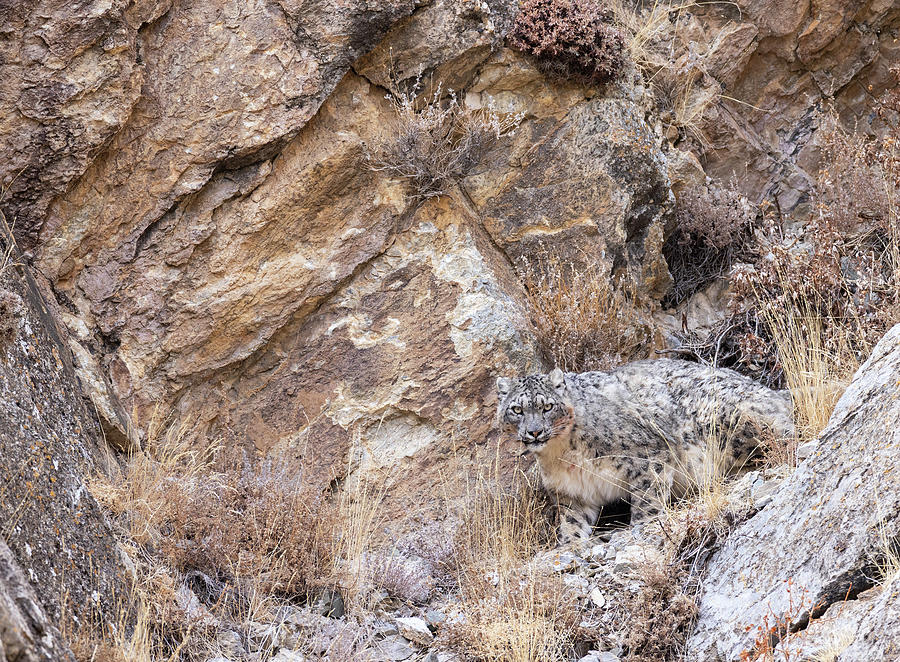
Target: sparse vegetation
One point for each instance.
(682, 87)
(239, 531)
(582, 319)
(712, 227)
(509, 611)
(570, 38)
(436, 140)
(660, 614)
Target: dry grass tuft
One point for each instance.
(436, 140)
(357, 518)
(508, 611)
(681, 85)
(250, 524)
(836, 644)
(583, 321)
(887, 558)
(816, 371)
(660, 614)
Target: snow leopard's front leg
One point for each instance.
(576, 520)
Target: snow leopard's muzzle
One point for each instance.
(534, 433)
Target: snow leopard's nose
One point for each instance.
(534, 433)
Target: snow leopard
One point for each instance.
(645, 432)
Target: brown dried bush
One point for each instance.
(712, 227)
(253, 520)
(242, 522)
(570, 38)
(582, 320)
(659, 615)
(436, 140)
(402, 577)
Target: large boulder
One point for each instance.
(50, 445)
(813, 554)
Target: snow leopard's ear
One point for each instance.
(557, 379)
(504, 386)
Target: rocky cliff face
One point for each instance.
(188, 180)
(222, 253)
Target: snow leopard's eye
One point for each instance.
(517, 410)
(548, 406)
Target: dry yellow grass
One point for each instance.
(682, 87)
(837, 642)
(582, 319)
(817, 369)
(509, 611)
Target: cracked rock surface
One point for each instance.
(823, 535)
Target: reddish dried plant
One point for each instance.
(571, 38)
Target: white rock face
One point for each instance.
(822, 536)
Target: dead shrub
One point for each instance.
(402, 577)
(256, 520)
(532, 619)
(570, 38)
(659, 615)
(251, 525)
(583, 321)
(712, 227)
(436, 140)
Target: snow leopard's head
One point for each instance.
(537, 406)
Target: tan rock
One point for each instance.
(586, 178)
(68, 81)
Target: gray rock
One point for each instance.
(229, 643)
(382, 628)
(597, 656)
(392, 649)
(329, 603)
(435, 617)
(26, 633)
(263, 637)
(415, 629)
(633, 556)
(285, 655)
(815, 543)
(806, 450)
(765, 492)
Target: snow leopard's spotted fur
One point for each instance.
(640, 432)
